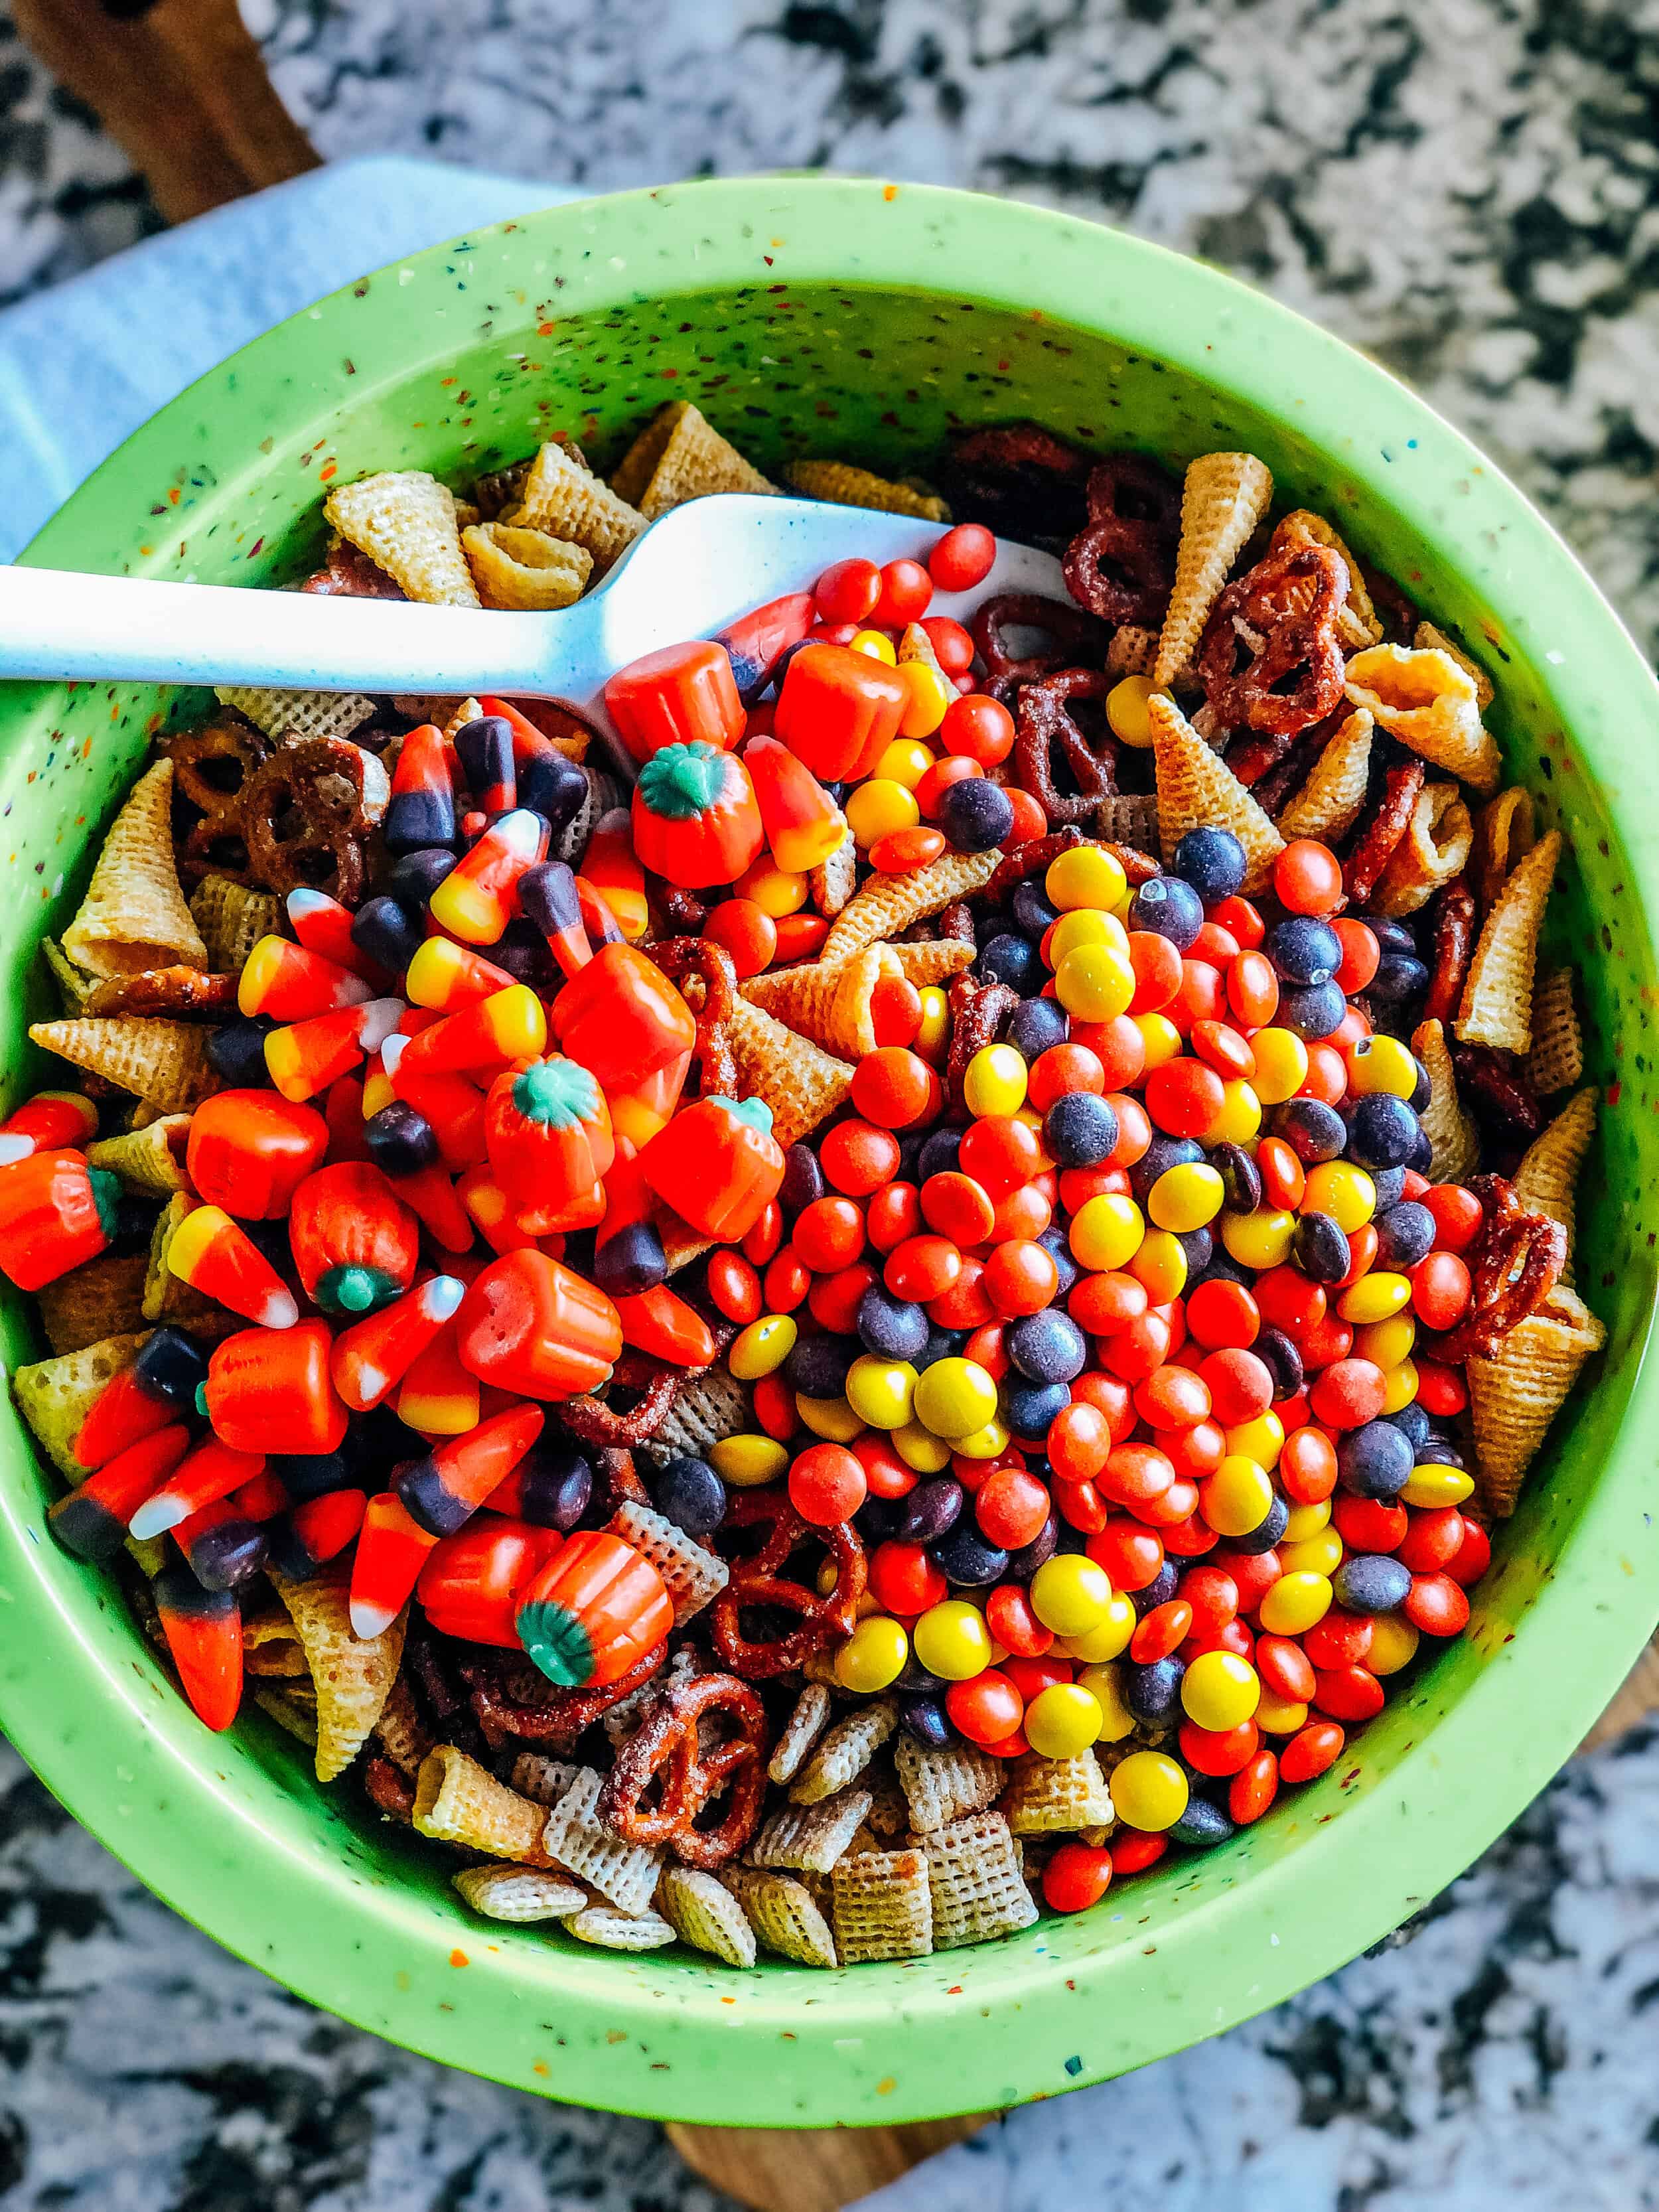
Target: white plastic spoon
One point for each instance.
(700, 567)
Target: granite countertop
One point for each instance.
(1469, 189)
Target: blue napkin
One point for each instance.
(84, 364)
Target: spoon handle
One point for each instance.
(64, 625)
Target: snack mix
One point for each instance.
(857, 1341)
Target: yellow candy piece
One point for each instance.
(873, 1656)
(1116, 1721)
(1071, 1594)
(921, 1449)
(905, 762)
(877, 646)
(1149, 1791)
(1237, 1498)
(1295, 1602)
(1399, 1386)
(1381, 1064)
(1261, 1439)
(1159, 1266)
(1259, 1240)
(1063, 1720)
(1096, 983)
(1280, 1716)
(951, 1640)
(1281, 1065)
(932, 1036)
(954, 1397)
(1085, 876)
(1376, 1297)
(876, 807)
(762, 1346)
(1186, 1197)
(1240, 1118)
(1079, 925)
(1162, 1039)
(833, 1419)
(931, 692)
(775, 891)
(1319, 1554)
(1105, 1232)
(1220, 1690)
(994, 1081)
(1344, 1192)
(1386, 1343)
(1307, 1520)
(1109, 1637)
(881, 1392)
(1431, 1486)
(1393, 1643)
(748, 1461)
(988, 1443)
(1125, 710)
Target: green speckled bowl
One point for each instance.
(854, 319)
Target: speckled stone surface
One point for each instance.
(1468, 189)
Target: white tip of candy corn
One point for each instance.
(441, 1296)
(379, 1019)
(280, 1310)
(156, 1515)
(368, 1619)
(13, 1149)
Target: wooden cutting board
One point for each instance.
(181, 86)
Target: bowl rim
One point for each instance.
(593, 2029)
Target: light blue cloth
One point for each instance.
(83, 365)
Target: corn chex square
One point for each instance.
(521, 1894)
(624, 1874)
(810, 1836)
(882, 1903)
(602, 1924)
(702, 1911)
(692, 1577)
(845, 1751)
(1050, 1796)
(974, 1880)
(535, 1775)
(942, 1785)
(801, 1731)
(784, 1915)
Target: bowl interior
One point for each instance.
(751, 301)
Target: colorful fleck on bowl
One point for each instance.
(865, 320)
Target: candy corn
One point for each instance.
(214, 1256)
(305, 1058)
(323, 924)
(369, 1359)
(421, 811)
(203, 1631)
(444, 1489)
(316, 1532)
(478, 897)
(92, 1522)
(445, 975)
(291, 984)
(484, 749)
(52, 1121)
(391, 1550)
(157, 1385)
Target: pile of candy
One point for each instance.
(832, 1355)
